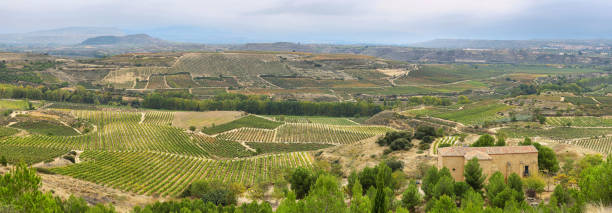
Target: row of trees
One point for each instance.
(78, 95)
(262, 105)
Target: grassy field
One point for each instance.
(204, 119)
(556, 133)
(14, 104)
(45, 128)
(248, 121)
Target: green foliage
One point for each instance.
(444, 205)
(462, 99)
(484, 141)
(46, 128)
(3, 160)
(359, 203)
(411, 197)
(496, 185)
(325, 196)
(423, 131)
(534, 184)
(29, 154)
(381, 200)
(547, 159)
(429, 182)
(472, 201)
(596, 182)
(473, 174)
(516, 184)
(445, 186)
(248, 121)
(215, 192)
(301, 179)
(396, 140)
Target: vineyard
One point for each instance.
(556, 133)
(603, 144)
(584, 121)
(29, 154)
(168, 174)
(315, 119)
(142, 152)
(451, 140)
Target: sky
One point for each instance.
(319, 21)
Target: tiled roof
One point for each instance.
(493, 150)
(477, 154)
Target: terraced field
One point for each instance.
(451, 140)
(585, 121)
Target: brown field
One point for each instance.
(200, 119)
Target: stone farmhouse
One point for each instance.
(522, 160)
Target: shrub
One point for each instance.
(3, 161)
(69, 157)
(301, 180)
(215, 192)
(484, 140)
(395, 164)
(192, 128)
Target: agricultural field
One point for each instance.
(15, 104)
(451, 140)
(555, 133)
(204, 119)
(315, 119)
(7, 131)
(582, 121)
(168, 175)
(44, 127)
(476, 114)
(216, 81)
(602, 144)
(247, 121)
(157, 82)
(209, 91)
(29, 154)
(158, 117)
(580, 100)
(286, 147)
(181, 80)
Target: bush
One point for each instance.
(390, 137)
(423, 146)
(192, 128)
(301, 179)
(395, 164)
(400, 144)
(484, 140)
(69, 157)
(3, 161)
(44, 171)
(215, 192)
(423, 131)
(428, 139)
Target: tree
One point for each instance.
(19, 192)
(547, 159)
(484, 140)
(325, 196)
(534, 185)
(515, 183)
(411, 197)
(444, 205)
(596, 182)
(192, 128)
(472, 202)
(462, 99)
(381, 202)
(445, 186)
(506, 195)
(473, 174)
(500, 142)
(301, 179)
(496, 185)
(359, 203)
(429, 181)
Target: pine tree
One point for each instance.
(473, 174)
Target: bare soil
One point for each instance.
(200, 119)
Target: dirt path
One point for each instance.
(142, 117)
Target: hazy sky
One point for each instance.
(356, 21)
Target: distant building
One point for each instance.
(522, 160)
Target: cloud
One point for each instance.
(394, 21)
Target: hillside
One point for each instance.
(136, 39)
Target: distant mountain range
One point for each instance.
(127, 40)
(514, 44)
(62, 36)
